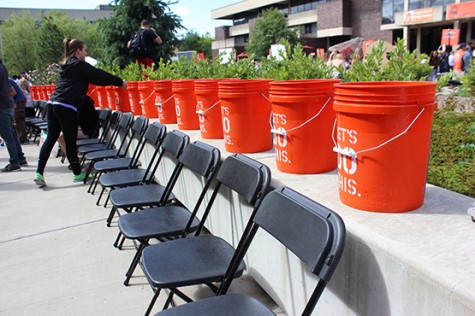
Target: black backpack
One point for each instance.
(137, 47)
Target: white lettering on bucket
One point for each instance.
(201, 116)
(178, 111)
(347, 164)
(226, 126)
(280, 138)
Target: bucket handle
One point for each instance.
(159, 104)
(143, 101)
(202, 112)
(353, 154)
(283, 132)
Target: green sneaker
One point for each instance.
(39, 180)
(80, 177)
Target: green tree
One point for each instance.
(193, 41)
(19, 43)
(270, 28)
(125, 21)
(51, 39)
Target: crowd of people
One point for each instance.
(446, 59)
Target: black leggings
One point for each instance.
(63, 119)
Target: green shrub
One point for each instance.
(452, 155)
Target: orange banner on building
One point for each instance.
(450, 37)
(461, 10)
(418, 16)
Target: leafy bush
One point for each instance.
(452, 155)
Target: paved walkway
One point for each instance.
(56, 252)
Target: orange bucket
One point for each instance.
(164, 101)
(185, 104)
(92, 93)
(302, 119)
(147, 99)
(208, 108)
(245, 110)
(121, 99)
(102, 97)
(49, 91)
(382, 136)
(134, 98)
(43, 95)
(34, 92)
(111, 100)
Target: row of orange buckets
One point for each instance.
(376, 133)
(42, 92)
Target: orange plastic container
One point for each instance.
(185, 104)
(147, 99)
(303, 118)
(49, 91)
(382, 138)
(102, 97)
(164, 101)
(208, 108)
(121, 99)
(34, 92)
(134, 98)
(246, 110)
(111, 100)
(43, 95)
(92, 93)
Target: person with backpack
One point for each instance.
(142, 44)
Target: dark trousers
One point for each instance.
(20, 125)
(61, 119)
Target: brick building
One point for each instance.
(323, 23)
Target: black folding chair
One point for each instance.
(154, 135)
(124, 185)
(203, 259)
(116, 131)
(104, 126)
(133, 136)
(173, 221)
(314, 233)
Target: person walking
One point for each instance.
(434, 63)
(7, 130)
(66, 103)
(20, 105)
(147, 38)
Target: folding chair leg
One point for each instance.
(121, 244)
(93, 180)
(152, 302)
(111, 215)
(88, 171)
(117, 240)
(96, 182)
(107, 200)
(134, 263)
(169, 301)
(100, 196)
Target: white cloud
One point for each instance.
(181, 10)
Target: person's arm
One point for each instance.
(98, 76)
(157, 40)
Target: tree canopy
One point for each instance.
(270, 28)
(125, 21)
(193, 41)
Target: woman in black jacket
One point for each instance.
(66, 102)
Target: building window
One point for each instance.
(305, 5)
(389, 9)
(241, 39)
(310, 28)
(420, 4)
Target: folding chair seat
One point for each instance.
(133, 135)
(128, 185)
(315, 234)
(109, 143)
(173, 221)
(153, 135)
(203, 259)
(104, 124)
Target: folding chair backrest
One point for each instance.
(122, 130)
(246, 176)
(111, 128)
(203, 160)
(136, 134)
(173, 144)
(314, 233)
(104, 121)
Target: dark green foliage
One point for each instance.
(193, 41)
(452, 154)
(51, 38)
(125, 21)
(271, 28)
